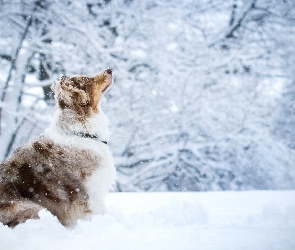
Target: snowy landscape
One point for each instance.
(254, 220)
(203, 96)
(201, 112)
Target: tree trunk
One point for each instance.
(12, 67)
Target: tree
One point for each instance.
(214, 117)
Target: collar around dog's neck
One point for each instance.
(86, 135)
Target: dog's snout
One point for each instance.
(109, 71)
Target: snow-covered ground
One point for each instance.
(212, 220)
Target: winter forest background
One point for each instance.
(204, 91)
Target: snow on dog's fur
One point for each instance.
(69, 169)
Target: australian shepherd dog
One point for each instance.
(69, 169)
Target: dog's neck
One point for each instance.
(67, 122)
(86, 135)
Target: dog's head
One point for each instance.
(82, 94)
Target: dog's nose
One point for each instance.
(109, 71)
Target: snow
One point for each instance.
(138, 53)
(204, 220)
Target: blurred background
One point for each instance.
(204, 91)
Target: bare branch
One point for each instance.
(236, 25)
(5, 57)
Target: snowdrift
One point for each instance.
(212, 220)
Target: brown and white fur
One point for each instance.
(62, 171)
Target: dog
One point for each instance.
(69, 169)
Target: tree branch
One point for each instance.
(12, 66)
(6, 57)
(236, 25)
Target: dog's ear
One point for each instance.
(65, 83)
(63, 78)
(69, 95)
(55, 84)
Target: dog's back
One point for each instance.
(49, 175)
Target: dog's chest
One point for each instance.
(101, 180)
